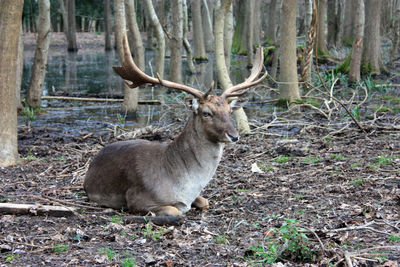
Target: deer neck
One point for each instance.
(191, 152)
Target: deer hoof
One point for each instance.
(167, 211)
(201, 203)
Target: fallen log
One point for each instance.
(36, 209)
(95, 99)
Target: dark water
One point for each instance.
(91, 73)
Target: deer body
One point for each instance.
(167, 178)
(143, 176)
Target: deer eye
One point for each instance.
(207, 114)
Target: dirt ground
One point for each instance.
(337, 195)
(300, 191)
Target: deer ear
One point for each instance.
(234, 105)
(192, 104)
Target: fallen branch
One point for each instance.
(36, 209)
(94, 99)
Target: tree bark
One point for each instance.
(10, 21)
(131, 95)
(155, 24)
(223, 75)
(186, 44)
(371, 57)
(355, 62)
(72, 46)
(41, 53)
(272, 22)
(64, 15)
(320, 43)
(333, 23)
(396, 31)
(138, 48)
(348, 22)
(228, 35)
(198, 36)
(176, 41)
(107, 25)
(20, 68)
(250, 31)
(289, 89)
(206, 12)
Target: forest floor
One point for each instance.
(300, 190)
(312, 197)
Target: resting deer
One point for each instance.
(167, 178)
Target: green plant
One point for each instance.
(9, 258)
(291, 244)
(356, 164)
(220, 239)
(312, 159)
(283, 159)
(109, 252)
(356, 112)
(128, 262)
(148, 231)
(383, 161)
(58, 248)
(116, 219)
(357, 182)
(28, 113)
(338, 157)
(394, 238)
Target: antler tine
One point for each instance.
(250, 81)
(136, 77)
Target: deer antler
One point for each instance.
(250, 81)
(136, 77)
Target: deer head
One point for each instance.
(213, 110)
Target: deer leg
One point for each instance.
(166, 211)
(201, 203)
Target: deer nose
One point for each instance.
(233, 138)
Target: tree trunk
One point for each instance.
(333, 23)
(257, 22)
(371, 57)
(138, 49)
(72, 46)
(206, 13)
(355, 62)
(396, 31)
(272, 22)
(250, 31)
(198, 36)
(10, 21)
(186, 44)
(309, 24)
(107, 25)
(348, 22)
(41, 53)
(20, 68)
(155, 24)
(320, 43)
(228, 35)
(239, 43)
(289, 89)
(64, 15)
(131, 95)
(176, 41)
(223, 75)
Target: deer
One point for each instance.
(167, 179)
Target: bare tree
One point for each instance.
(348, 22)
(35, 89)
(134, 33)
(223, 74)
(186, 44)
(396, 31)
(355, 62)
(288, 89)
(273, 18)
(334, 14)
(131, 95)
(107, 25)
(176, 41)
(72, 46)
(198, 36)
(20, 68)
(10, 21)
(371, 57)
(320, 44)
(206, 13)
(228, 36)
(155, 23)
